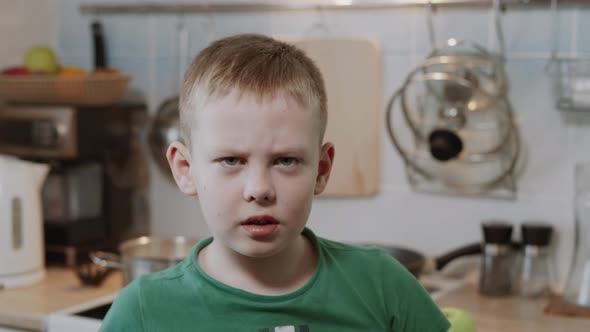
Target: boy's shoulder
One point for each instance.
(353, 249)
(369, 256)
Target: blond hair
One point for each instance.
(253, 64)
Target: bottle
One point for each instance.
(577, 290)
(535, 272)
(497, 263)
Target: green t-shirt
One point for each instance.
(352, 289)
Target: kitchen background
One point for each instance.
(145, 47)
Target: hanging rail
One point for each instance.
(278, 5)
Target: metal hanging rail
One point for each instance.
(278, 5)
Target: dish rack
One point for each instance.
(571, 83)
(90, 90)
(570, 74)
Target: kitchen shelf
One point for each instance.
(278, 5)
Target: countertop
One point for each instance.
(59, 292)
(509, 314)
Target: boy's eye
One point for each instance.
(287, 161)
(231, 161)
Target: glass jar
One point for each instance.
(577, 290)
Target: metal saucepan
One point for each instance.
(145, 254)
(417, 263)
(150, 254)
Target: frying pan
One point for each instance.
(416, 263)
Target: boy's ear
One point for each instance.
(324, 167)
(179, 159)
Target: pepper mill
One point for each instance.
(535, 272)
(497, 263)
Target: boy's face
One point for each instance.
(255, 167)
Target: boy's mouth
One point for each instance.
(260, 221)
(260, 226)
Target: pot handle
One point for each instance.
(106, 259)
(470, 249)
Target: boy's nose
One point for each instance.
(259, 188)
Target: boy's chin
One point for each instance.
(258, 252)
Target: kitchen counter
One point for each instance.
(510, 313)
(59, 292)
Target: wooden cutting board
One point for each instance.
(352, 70)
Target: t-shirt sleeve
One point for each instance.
(125, 312)
(409, 306)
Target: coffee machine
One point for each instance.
(95, 196)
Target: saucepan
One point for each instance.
(150, 254)
(417, 263)
(145, 254)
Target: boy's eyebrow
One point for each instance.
(290, 151)
(281, 151)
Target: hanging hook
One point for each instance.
(430, 24)
(553, 62)
(555, 29)
(498, 8)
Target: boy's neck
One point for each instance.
(276, 275)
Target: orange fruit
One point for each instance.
(70, 82)
(72, 71)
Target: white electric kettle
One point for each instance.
(21, 223)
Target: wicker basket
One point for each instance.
(92, 90)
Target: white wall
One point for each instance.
(145, 47)
(24, 24)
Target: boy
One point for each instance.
(253, 115)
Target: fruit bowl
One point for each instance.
(92, 90)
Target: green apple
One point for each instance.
(461, 320)
(41, 59)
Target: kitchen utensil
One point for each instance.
(577, 290)
(21, 222)
(455, 104)
(145, 254)
(472, 62)
(100, 58)
(465, 153)
(352, 71)
(416, 263)
(465, 138)
(164, 129)
(165, 126)
(570, 74)
(92, 274)
(495, 278)
(535, 269)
